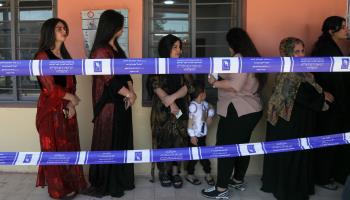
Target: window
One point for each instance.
(201, 24)
(20, 23)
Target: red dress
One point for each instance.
(57, 133)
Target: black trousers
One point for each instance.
(205, 162)
(346, 191)
(234, 130)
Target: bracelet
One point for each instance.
(213, 85)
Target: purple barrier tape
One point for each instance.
(175, 154)
(173, 66)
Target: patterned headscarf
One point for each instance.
(287, 46)
(287, 84)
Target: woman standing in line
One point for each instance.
(292, 111)
(332, 163)
(112, 97)
(170, 100)
(240, 109)
(56, 119)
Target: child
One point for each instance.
(200, 114)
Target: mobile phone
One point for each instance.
(215, 75)
(65, 112)
(178, 114)
(126, 103)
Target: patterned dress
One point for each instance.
(167, 131)
(57, 133)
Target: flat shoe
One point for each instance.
(177, 181)
(193, 181)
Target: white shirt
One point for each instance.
(198, 114)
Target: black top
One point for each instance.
(333, 82)
(59, 80)
(326, 46)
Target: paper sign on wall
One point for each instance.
(90, 20)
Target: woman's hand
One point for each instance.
(71, 110)
(132, 98)
(209, 120)
(168, 100)
(328, 97)
(211, 79)
(194, 141)
(74, 99)
(174, 109)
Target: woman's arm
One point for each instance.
(182, 92)
(170, 99)
(114, 83)
(133, 97)
(224, 84)
(235, 83)
(49, 87)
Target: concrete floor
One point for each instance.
(16, 186)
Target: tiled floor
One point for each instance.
(15, 186)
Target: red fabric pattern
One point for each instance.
(57, 134)
(102, 136)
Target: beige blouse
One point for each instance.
(245, 99)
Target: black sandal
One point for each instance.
(177, 181)
(193, 180)
(165, 180)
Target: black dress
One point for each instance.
(289, 175)
(112, 130)
(332, 162)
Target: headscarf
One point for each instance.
(281, 102)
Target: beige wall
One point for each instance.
(267, 20)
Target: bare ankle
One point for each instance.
(220, 189)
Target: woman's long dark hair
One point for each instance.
(48, 37)
(110, 22)
(165, 45)
(240, 42)
(47, 43)
(332, 24)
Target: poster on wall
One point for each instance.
(90, 20)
